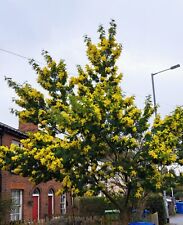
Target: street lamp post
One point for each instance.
(155, 112)
(153, 87)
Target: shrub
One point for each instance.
(57, 222)
(178, 195)
(92, 206)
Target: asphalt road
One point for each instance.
(177, 219)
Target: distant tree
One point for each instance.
(92, 137)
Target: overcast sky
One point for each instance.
(151, 32)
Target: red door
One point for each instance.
(35, 208)
(50, 206)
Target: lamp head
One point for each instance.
(174, 67)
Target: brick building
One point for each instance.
(30, 201)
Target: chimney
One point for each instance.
(28, 127)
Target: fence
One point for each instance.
(88, 220)
(40, 222)
(112, 219)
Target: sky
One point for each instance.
(150, 31)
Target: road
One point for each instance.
(177, 219)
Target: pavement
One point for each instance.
(176, 220)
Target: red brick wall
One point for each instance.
(28, 127)
(8, 138)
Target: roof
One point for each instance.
(11, 130)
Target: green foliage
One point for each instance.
(155, 203)
(92, 206)
(178, 195)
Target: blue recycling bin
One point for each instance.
(179, 206)
(141, 223)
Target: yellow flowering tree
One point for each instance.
(92, 137)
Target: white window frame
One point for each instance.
(16, 142)
(63, 203)
(16, 196)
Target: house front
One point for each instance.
(30, 202)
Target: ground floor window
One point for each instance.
(63, 203)
(16, 209)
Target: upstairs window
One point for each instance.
(15, 142)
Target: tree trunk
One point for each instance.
(125, 217)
